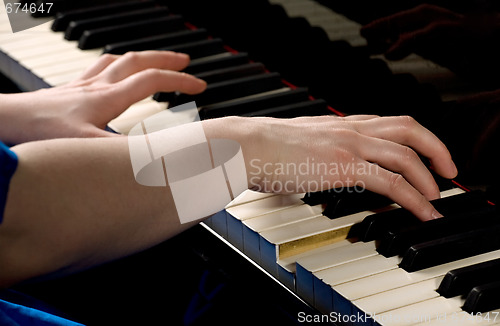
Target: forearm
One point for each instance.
(74, 203)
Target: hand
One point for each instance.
(423, 28)
(318, 153)
(83, 107)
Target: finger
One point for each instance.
(104, 61)
(395, 187)
(406, 131)
(134, 62)
(148, 82)
(401, 159)
(407, 20)
(421, 39)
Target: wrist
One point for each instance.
(250, 133)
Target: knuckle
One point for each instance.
(407, 123)
(131, 57)
(151, 73)
(396, 182)
(107, 58)
(408, 156)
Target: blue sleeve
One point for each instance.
(16, 315)
(8, 165)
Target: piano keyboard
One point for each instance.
(323, 259)
(319, 259)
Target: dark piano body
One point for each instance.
(259, 61)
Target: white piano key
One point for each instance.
(37, 52)
(421, 312)
(319, 225)
(14, 37)
(357, 269)
(252, 227)
(265, 206)
(33, 40)
(326, 229)
(399, 297)
(295, 238)
(63, 79)
(54, 58)
(64, 67)
(35, 35)
(239, 213)
(283, 217)
(323, 280)
(280, 242)
(249, 196)
(287, 266)
(398, 277)
(308, 265)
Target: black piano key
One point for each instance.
(396, 243)
(374, 226)
(207, 64)
(246, 105)
(460, 281)
(305, 108)
(156, 41)
(222, 74)
(451, 248)
(226, 90)
(77, 27)
(99, 37)
(198, 49)
(483, 298)
(353, 200)
(317, 197)
(63, 18)
(476, 212)
(443, 183)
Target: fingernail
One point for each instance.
(435, 214)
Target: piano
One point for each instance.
(338, 257)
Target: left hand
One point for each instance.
(84, 107)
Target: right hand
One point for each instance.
(378, 153)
